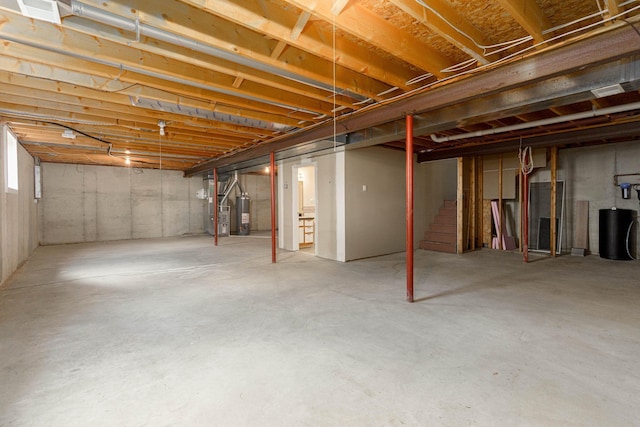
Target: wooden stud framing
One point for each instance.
(554, 208)
(460, 207)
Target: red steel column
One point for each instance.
(525, 218)
(409, 185)
(272, 175)
(215, 206)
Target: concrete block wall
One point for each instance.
(588, 173)
(83, 203)
(18, 216)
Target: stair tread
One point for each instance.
(438, 247)
(440, 237)
(442, 234)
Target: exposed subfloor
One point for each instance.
(179, 332)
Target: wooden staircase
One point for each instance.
(442, 234)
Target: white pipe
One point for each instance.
(543, 122)
(135, 26)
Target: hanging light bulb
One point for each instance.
(127, 161)
(162, 125)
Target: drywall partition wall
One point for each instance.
(375, 199)
(329, 204)
(18, 216)
(83, 203)
(588, 174)
(375, 202)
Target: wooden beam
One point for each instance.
(446, 23)
(366, 25)
(554, 207)
(237, 82)
(194, 58)
(612, 7)
(567, 59)
(49, 38)
(243, 30)
(278, 49)
(338, 6)
(299, 26)
(30, 61)
(473, 202)
(530, 17)
(480, 202)
(317, 40)
(122, 111)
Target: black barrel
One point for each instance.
(614, 226)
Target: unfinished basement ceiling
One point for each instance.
(175, 84)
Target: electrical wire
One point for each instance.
(526, 159)
(492, 64)
(509, 43)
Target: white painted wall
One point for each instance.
(83, 203)
(376, 218)
(18, 216)
(352, 223)
(329, 204)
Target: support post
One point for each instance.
(272, 175)
(460, 206)
(215, 206)
(409, 197)
(480, 205)
(520, 207)
(473, 203)
(554, 209)
(500, 214)
(525, 218)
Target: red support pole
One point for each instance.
(272, 174)
(525, 218)
(215, 206)
(409, 185)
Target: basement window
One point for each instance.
(11, 160)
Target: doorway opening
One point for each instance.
(304, 203)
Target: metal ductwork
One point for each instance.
(233, 182)
(141, 29)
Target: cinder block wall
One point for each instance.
(97, 203)
(589, 175)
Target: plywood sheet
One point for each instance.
(581, 233)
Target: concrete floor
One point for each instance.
(178, 332)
